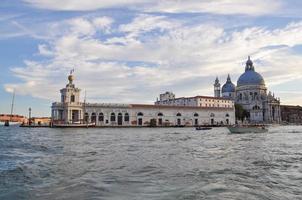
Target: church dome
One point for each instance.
(228, 86)
(250, 77)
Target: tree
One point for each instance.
(152, 122)
(240, 113)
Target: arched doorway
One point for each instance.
(212, 118)
(227, 119)
(140, 118)
(112, 118)
(126, 118)
(93, 117)
(196, 119)
(160, 119)
(178, 115)
(101, 117)
(120, 119)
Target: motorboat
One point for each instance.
(203, 128)
(247, 129)
(74, 125)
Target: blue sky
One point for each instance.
(130, 51)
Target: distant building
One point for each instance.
(40, 121)
(291, 114)
(197, 101)
(13, 118)
(167, 111)
(251, 93)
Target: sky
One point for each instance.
(130, 51)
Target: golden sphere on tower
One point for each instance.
(70, 78)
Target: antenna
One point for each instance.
(12, 106)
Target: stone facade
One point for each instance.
(190, 111)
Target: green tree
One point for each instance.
(239, 111)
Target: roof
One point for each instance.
(205, 97)
(178, 107)
(250, 77)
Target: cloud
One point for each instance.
(79, 5)
(139, 59)
(225, 7)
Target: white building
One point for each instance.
(168, 111)
(197, 101)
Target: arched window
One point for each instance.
(227, 115)
(256, 107)
(160, 114)
(126, 117)
(93, 117)
(112, 117)
(72, 98)
(196, 115)
(212, 115)
(178, 115)
(101, 117)
(120, 119)
(140, 114)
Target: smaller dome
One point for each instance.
(228, 86)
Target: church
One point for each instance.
(251, 93)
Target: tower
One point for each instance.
(216, 88)
(70, 94)
(72, 110)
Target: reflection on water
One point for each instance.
(178, 163)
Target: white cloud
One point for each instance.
(245, 7)
(226, 7)
(80, 4)
(154, 53)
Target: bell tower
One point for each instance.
(217, 88)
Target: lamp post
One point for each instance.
(29, 116)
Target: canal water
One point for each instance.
(145, 163)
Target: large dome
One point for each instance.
(250, 77)
(228, 86)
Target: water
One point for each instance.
(171, 163)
